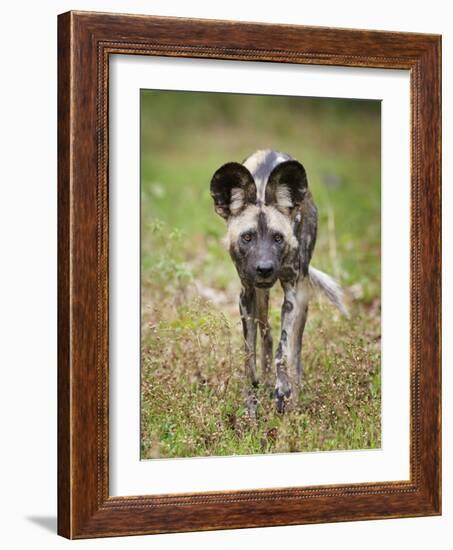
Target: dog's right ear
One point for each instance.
(232, 188)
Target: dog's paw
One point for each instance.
(282, 394)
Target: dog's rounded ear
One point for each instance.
(232, 188)
(287, 186)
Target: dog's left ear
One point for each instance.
(287, 186)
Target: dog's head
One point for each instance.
(262, 214)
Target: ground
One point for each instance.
(193, 379)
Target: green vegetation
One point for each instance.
(193, 379)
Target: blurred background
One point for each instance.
(192, 374)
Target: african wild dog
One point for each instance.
(272, 224)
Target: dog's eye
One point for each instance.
(278, 237)
(247, 237)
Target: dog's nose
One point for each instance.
(265, 269)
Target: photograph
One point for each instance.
(260, 270)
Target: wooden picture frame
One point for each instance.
(85, 42)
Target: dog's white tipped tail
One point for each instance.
(329, 287)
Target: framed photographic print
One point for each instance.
(249, 275)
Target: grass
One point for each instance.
(193, 384)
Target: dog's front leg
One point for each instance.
(285, 351)
(301, 311)
(248, 311)
(262, 306)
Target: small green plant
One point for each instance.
(164, 265)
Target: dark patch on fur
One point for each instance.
(247, 296)
(245, 307)
(244, 326)
(307, 232)
(262, 224)
(279, 352)
(287, 306)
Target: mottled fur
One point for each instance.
(271, 233)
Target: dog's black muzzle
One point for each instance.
(265, 274)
